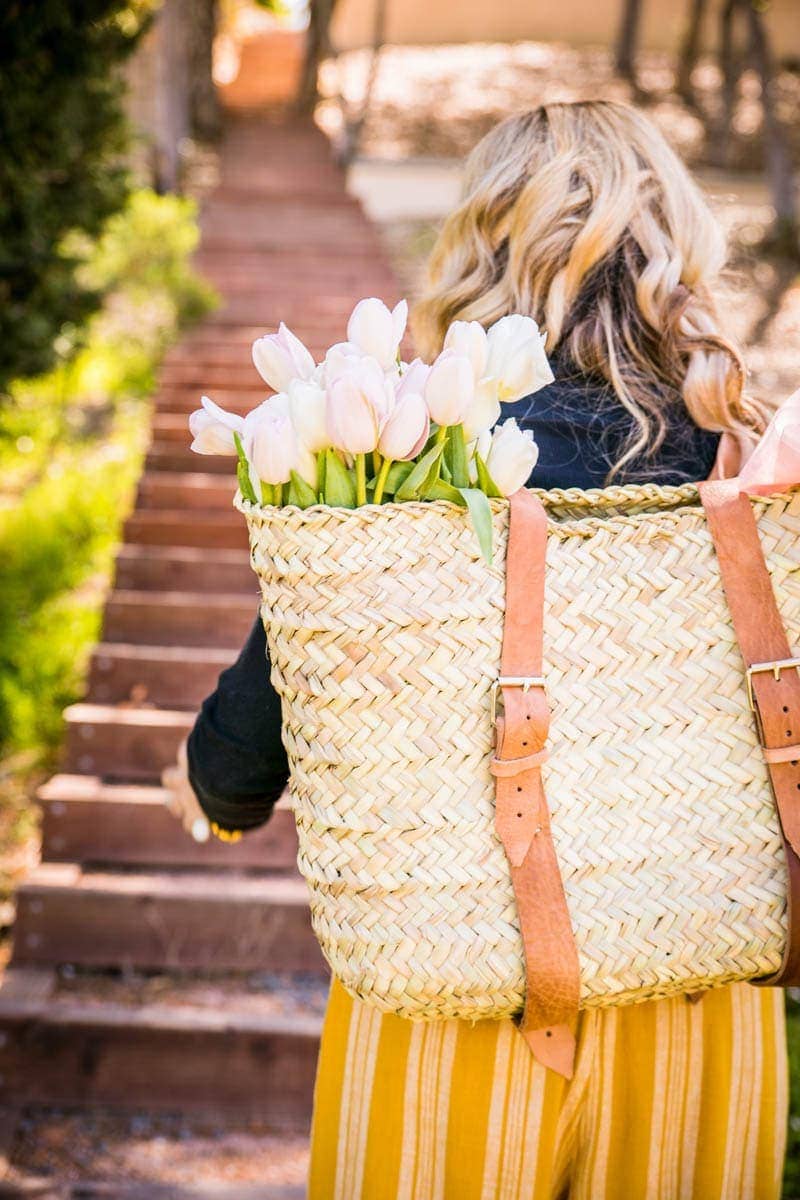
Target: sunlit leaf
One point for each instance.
(481, 515)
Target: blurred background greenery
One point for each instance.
(95, 283)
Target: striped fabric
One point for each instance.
(670, 1100)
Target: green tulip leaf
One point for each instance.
(340, 486)
(243, 472)
(481, 515)
(457, 460)
(302, 491)
(485, 480)
(441, 490)
(424, 471)
(398, 473)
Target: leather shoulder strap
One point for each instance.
(773, 681)
(522, 819)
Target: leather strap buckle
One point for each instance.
(781, 664)
(526, 682)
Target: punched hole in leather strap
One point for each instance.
(773, 682)
(522, 819)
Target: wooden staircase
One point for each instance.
(124, 906)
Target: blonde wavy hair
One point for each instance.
(581, 216)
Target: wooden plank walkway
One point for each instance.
(120, 887)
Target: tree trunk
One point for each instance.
(204, 112)
(731, 69)
(354, 126)
(318, 47)
(627, 39)
(776, 143)
(690, 50)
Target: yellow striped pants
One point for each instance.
(670, 1100)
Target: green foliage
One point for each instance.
(62, 138)
(51, 545)
(70, 446)
(340, 488)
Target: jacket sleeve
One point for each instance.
(236, 758)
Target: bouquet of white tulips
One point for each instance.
(364, 427)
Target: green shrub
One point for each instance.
(70, 447)
(61, 166)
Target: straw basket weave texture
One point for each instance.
(384, 628)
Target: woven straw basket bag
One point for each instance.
(670, 871)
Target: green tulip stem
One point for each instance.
(380, 482)
(277, 490)
(376, 462)
(266, 493)
(361, 479)
(459, 456)
(441, 434)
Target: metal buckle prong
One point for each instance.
(526, 682)
(776, 667)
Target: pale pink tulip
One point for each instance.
(406, 430)
(450, 388)
(281, 357)
(358, 403)
(376, 331)
(212, 429)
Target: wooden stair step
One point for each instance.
(121, 742)
(183, 618)
(164, 920)
(289, 242)
(184, 568)
(172, 456)
(174, 527)
(174, 427)
(160, 1044)
(204, 374)
(172, 677)
(174, 404)
(88, 821)
(186, 489)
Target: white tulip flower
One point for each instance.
(273, 448)
(406, 430)
(412, 379)
(339, 359)
(484, 412)
(281, 357)
(450, 388)
(307, 407)
(376, 331)
(516, 358)
(510, 455)
(212, 429)
(469, 338)
(358, 404)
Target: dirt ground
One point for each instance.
(437, 101)
(142, 1147)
